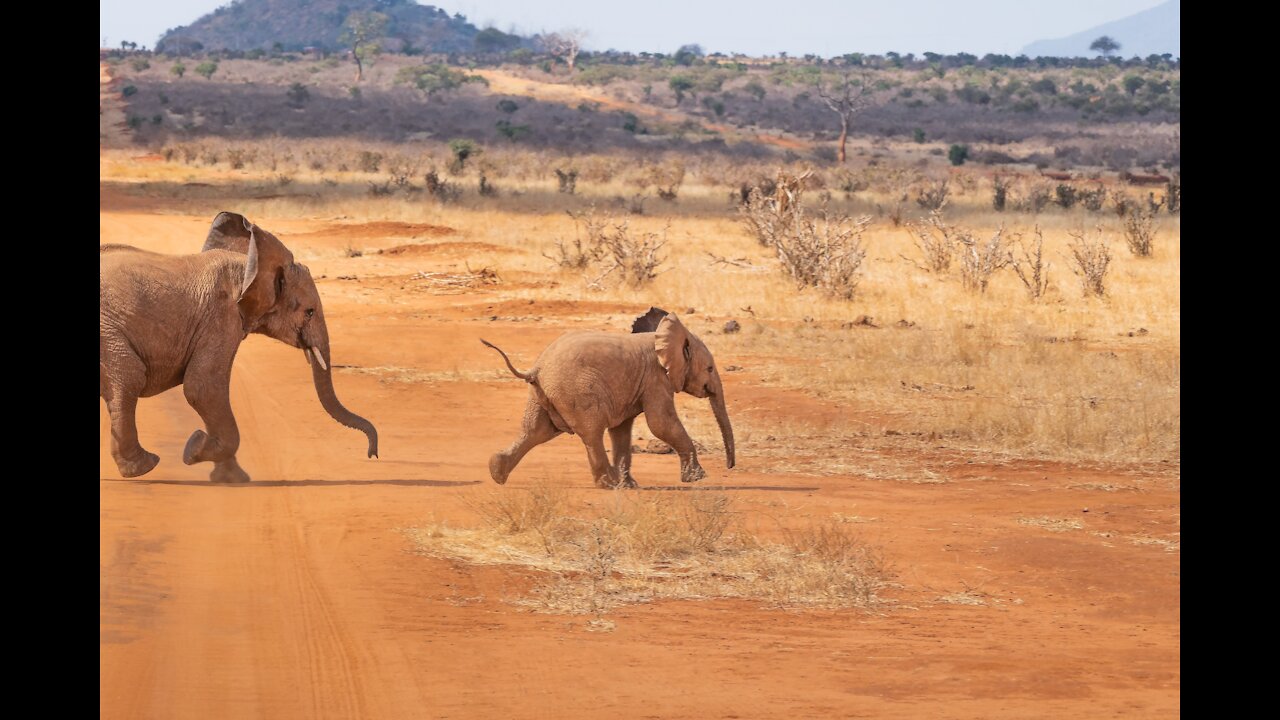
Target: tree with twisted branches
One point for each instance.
(847, 96)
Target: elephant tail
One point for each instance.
(529, 377)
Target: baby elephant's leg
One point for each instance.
(536, 429)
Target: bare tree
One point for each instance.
(565, 44)
(363, 32)
(846, 97)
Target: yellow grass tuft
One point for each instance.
(639, 547)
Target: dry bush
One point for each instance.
(486, 188)
(1173, 194)
(642, 547)
(1031, 267)
(980, 259)
(1140, 230)
(1000, 193)
(1090, 257)
(824, 252)
(933, 196)
(896, 183)
(770, 214)
(568, 181)
(400, 172)
(584, 249)
(635, 256)
(936, 241)
(1038, 196)
(1066, 196)
(666, 178)
(440, 189)
(1093, 200)
(760, 214)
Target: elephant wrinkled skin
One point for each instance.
(169, 320)
(586, 383)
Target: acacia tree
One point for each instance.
(847, 96)
(363, 32)
(565, 44)
(1104, 45)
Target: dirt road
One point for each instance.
(297, 595)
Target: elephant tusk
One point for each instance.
(319, 358)
(306, 353)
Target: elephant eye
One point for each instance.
(310, 312)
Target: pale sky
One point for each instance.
(756, 27)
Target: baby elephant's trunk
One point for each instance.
(722, 419)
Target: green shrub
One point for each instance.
(462, 150)
(207, 69)
(178, 69)
(957, 154)
(511, 132)
(918, 135)
(298, 95)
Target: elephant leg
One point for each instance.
(665, 425)
(219, 441)
(536, 429)
(602, 473)
(120, 388)
(620, 438)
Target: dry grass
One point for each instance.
(1052, 524)
(639, 547)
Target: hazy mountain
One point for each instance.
(295, 24)
(1150, 32)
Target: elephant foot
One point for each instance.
(195, 444)
(498, 469)
(228, 471)
(611, 481)
(629, 483)
(693, 474)
(141, 465)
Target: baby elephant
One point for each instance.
(585, 383)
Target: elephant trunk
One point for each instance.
(722, 419)
(322, 375)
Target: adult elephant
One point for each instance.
(168, 320)
(587, 383)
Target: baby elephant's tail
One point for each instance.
(528, 377)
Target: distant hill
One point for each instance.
(297, 24)
(1150, 32)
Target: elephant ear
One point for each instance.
(671, 341)
(264, 266)
(230, 231)
(648, 322)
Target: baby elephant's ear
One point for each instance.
(230, 231)
(648, 322)
(671, 341)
